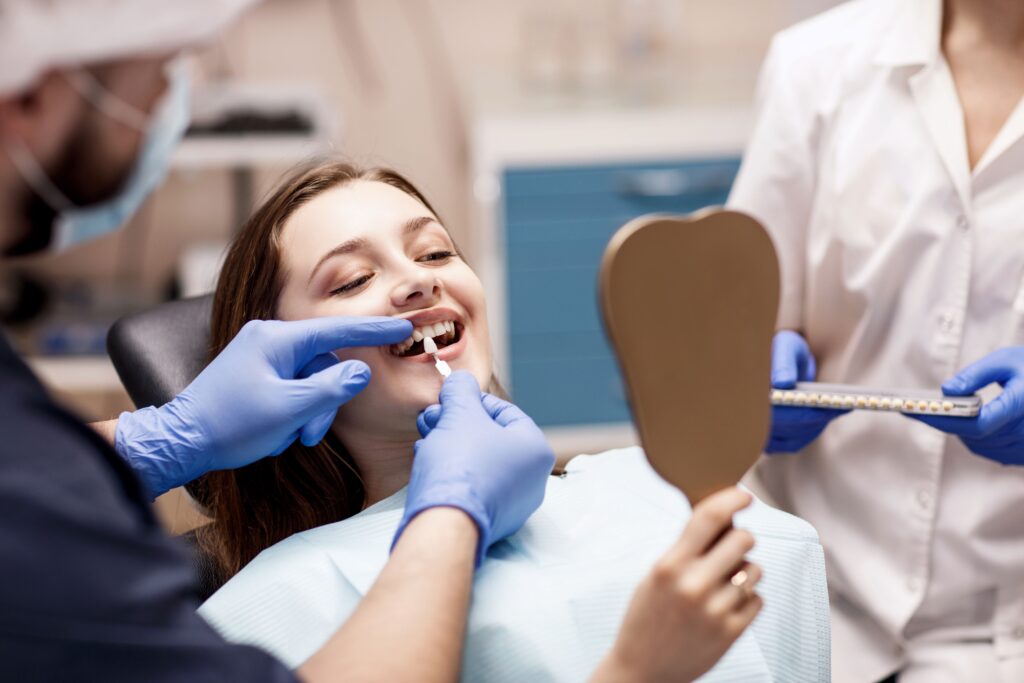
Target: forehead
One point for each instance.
(363, 209)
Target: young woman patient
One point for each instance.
(300, 538)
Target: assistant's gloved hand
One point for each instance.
(479, 454)
(997, 432)
(794, 427)
(275, 382)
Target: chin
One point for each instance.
(400, 389)
(418, 398)
(421, 386)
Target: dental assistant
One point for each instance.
(92, 103)
(888, 164)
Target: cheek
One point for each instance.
(364, 304)
(364, 354)
(468, 292)
(397, 391)
(291, 306)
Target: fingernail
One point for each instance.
(360, 374)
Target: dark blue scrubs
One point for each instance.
(91, 588)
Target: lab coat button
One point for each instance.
(1018, 633)
(962, 222)
(947, 322)
(913, 585)
(924, 499)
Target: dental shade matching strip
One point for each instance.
(430, 347)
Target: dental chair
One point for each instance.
(157, 353)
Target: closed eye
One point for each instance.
(350, 286)
(437, 256)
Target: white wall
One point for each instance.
(400, 99)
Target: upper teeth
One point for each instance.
(438, 329)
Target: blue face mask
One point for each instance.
(162, 131)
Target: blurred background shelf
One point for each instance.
(76, 374)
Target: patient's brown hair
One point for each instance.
(258, 505)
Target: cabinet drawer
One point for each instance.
(672, 178)
(560, 344)
(546, 300)
(537, 198)
(570, 391)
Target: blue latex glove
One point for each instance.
(794, 427)
(479, 454)
(997, 432)
(274, 383)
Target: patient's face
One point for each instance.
(386, 254)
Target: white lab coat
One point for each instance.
(900, 265)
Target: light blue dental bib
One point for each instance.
(548, 601)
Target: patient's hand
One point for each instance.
(689, 610)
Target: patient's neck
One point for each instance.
(384, 462)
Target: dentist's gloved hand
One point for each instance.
(479, 454)
(794, 427)
(997, 432)
(274, 383)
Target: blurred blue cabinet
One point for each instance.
(557, 221)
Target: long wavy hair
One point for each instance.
(258, 505)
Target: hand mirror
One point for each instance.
(689, 304)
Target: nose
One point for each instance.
(417, 288)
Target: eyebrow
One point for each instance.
(349, 246)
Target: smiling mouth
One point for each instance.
(444, 333)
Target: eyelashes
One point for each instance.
(435, 257)
(358, 282)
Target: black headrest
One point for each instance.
(159, 351)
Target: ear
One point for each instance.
(42, 113)
(13, 122)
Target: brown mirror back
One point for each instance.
(689, 304)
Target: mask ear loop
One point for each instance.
(97, 94)
(93, 92)
(36, 177)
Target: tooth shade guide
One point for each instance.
(887, 400)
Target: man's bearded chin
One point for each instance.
(83, 173)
